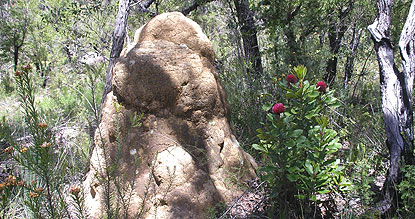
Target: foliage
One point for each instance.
(406, 189)
(40, 160)
(298, 148)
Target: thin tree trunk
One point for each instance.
(117, 43)
(348, 69)
(396, 93)
(18, 45)
(249, 37)
(335, 35)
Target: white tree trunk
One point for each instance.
(396, 92)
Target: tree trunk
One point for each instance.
(348, 69)
(249, 37)
(117, 43)
(396, 93)
(407, 50)
(18, 45)
(335, 35)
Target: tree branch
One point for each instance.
(117, 44)
(143, 7)
(196, 3)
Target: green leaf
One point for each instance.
(267, 169)
(314, 94)
(293, 169)
(308, 167)
(292, 177)
(301, 71)
(330, 162)
(270, 117)
(323, 177)
(295, 133)
(325, 191)
(266, 106)
(335, 105)
(301, 197)
(310, 115)
(260, 148)
(261, 136)
(290, 95)
(334, 147)
(269, 178)
(293, 111)
(301, 139)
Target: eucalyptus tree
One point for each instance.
(396, 92)
(14, 24)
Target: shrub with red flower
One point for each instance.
(321, 86)
(291, 79)
(278, 108)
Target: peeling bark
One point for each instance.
(407, 50)
(396, 93)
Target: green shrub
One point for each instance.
(41, 166)
(298, 148)
(407, 191)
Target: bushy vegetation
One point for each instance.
(300, 153)
(319, 137)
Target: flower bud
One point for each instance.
(291, 79)
(278, 108)
(321, 86)
(8, 150)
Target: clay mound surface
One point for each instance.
(181, 158)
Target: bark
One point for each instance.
(407, 50)
(18, 45)
(117, 43)
(194, 6)
(249, 37)
(335, 35)
(396, 93)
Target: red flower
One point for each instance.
(291, 79)
(321, 86)
(278, 108)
